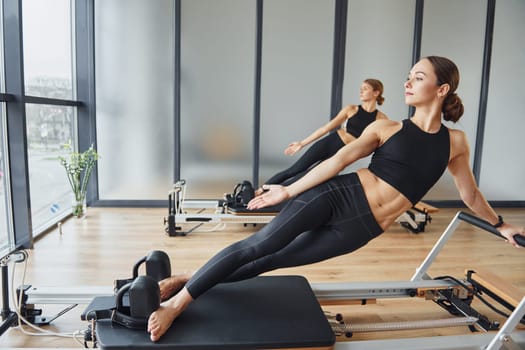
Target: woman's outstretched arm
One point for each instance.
(334, 123)
(361, 147)
(470, 194)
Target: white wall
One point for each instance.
(502, 166)
(134, 98)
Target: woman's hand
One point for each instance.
(293, 148)
(508, 231)
(272, 195)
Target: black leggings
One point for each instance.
(319, 151)
(328, 220)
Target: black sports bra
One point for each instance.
(412, 160)
(359, 121)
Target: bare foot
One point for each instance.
(160, 321)
(172, 285)
(162, 318)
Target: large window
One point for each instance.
(6, 236)
(6, 232)
(48, 75)
(47, 48)
(2, 73)
(48, 129)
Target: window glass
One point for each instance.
(48, 129)
(48, 72)
(6, 233)
(47, 48)
(2, 73)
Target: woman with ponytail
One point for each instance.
(329, 214)
(349, 123)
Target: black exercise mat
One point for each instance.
(266, 312)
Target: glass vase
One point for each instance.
(78, 208)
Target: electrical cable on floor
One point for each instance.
(22, 320)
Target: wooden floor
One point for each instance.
(96, 250)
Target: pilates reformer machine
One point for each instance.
(453, 295)
(285, 312)
(414, 220)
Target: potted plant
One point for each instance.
(78, 170)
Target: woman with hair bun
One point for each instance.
(328, 215)
(349, 123)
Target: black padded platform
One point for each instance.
(273, 210)
(268, 312)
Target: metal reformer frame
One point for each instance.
(420, 285)
(177, 205)
(414, 220)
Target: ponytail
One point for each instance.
(376, 85)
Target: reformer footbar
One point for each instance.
(414, 220)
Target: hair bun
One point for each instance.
(452, 107)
